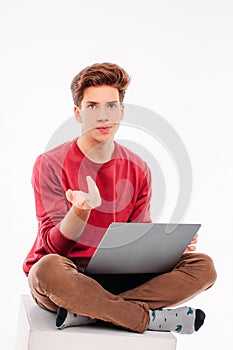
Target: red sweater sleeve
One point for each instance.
(51, 205)
(141, 210)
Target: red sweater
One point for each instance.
(124, 183)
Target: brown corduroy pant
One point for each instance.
(121, 300)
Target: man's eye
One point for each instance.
(91, 106)
(112, 105)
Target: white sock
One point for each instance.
(184, 320)
(66, 318)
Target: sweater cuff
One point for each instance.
(62, 245)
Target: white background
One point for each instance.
(179, 54)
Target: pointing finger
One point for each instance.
(92, 188)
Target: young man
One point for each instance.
(80, 188)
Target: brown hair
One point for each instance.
(99, 74)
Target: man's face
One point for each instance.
(100, 113)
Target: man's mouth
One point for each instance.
(104, 128)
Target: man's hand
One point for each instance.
(191, 247)
(85, 201)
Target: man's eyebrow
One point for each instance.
(97, 103)
(93, 102)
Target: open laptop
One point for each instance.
(131, 248)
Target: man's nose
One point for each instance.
(103, 114)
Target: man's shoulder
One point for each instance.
(125, 153)
(56, 154)
(60, 149)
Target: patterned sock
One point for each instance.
(66, 318)
(183, 320)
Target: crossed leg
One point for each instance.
(55, 281)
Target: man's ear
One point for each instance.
(77, 114)
(122, 111)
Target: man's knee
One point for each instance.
(47, 262)
(49, 267)
(208, 270)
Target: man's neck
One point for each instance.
(99, 152)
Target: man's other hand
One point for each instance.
(192, 245)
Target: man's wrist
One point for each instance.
(73, 224)
(81, 213)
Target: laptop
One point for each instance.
(133, 248)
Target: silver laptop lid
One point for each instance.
(128, 248)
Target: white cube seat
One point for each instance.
(37, 331)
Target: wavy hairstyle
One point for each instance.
(99, 74)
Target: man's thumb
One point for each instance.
(69, 195)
